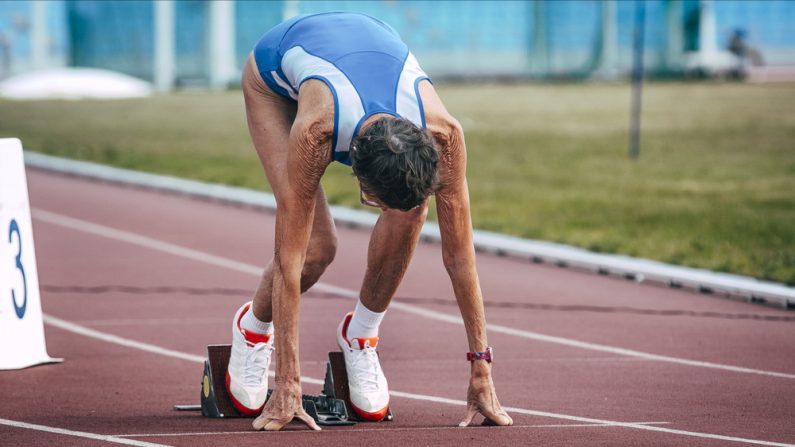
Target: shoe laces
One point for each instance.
(365, 362)
(258, 360)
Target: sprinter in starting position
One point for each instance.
(344, 87)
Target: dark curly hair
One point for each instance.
(395, 161)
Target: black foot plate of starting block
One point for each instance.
(216, 402)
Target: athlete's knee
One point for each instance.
(318, 256)
(419, 213)
(321, 255)
(414, 216)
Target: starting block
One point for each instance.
(331, 407)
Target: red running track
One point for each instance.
(581, 359)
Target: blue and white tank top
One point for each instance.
(362, 60)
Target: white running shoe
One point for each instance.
(247, 375)
(368, 388)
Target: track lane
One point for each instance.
(171, 249)
(524, 353)
(244, 236)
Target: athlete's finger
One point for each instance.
(261, 421)
(471, 412)
(308, 420)
(275, 425)
(496, 417)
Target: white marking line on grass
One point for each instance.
(376, 429)
(63, 324)
(79, 434)
(196, 255)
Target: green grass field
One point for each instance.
(714, 186)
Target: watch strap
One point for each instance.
(487, 355)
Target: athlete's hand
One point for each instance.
(283, 405)
(482, 398)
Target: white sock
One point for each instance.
(364, 323)
(252, 324)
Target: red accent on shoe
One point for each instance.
(345, 324)
(377, 416)
(251, 337)
(254, 338)
(244, 410)
(373, 342)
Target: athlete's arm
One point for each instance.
(309, 149)
(458, 252)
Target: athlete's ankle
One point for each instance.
(250, 323)
(364, 323)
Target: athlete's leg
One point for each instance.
(391, 247)
(392, 244)
(270, 118)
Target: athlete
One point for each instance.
(344, 87)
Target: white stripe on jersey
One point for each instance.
(407, 104)
(298, 65)
(283, 84)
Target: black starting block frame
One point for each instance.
(330, 408)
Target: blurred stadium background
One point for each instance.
(199, 43)
(541, 88)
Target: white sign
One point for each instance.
(21, 328)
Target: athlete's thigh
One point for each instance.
(270, 118)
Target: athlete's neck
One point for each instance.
(371, 119)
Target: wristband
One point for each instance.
(487, 355)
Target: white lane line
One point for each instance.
(79, 434)
(152, 321)
(596, 421)
(376, 429)
(441, 316)
(148, 347)
(63, 324)
(110, 338)
(196, 433)
(196, 255)
(589, 425)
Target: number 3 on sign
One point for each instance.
(20, 309)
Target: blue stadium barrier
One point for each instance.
(542, 38)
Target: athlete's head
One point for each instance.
(395, 162)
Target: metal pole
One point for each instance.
(290, 9)
(637, 79)
(674, 34)
(39, 38)
(539, 56)
(607, 67)
(222, 43)
(165, 46)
